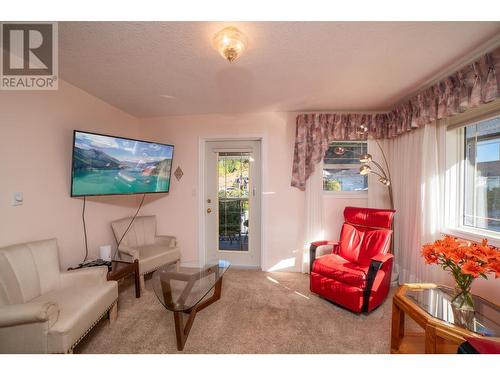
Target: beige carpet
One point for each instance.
(259, 312)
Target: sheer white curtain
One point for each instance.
(414, 164)
(314, 214)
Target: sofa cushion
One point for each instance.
(75, 317)
(335, 267)
(152, 257)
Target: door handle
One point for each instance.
(209, 210)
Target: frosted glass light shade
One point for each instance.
(230, 43)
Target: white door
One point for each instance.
(233, 202)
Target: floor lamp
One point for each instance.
(384, 175)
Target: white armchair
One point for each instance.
(43, 310)
(141, 242)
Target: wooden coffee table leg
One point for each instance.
(213, 298)
(430, 339)
(181, 330)
(398, 327)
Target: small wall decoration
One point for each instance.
(178, 173)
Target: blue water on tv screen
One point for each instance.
(105, 165)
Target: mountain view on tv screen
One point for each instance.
(109, 165)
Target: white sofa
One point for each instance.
(141, 242)
(44, 310)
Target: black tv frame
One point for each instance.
(128, 139)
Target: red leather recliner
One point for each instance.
(357, 274)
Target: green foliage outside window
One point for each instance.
(331, 185)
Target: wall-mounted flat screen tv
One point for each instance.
(106, 165)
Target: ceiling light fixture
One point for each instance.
(230, 42)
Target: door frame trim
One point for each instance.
(202, 141)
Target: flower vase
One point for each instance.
(462, 299)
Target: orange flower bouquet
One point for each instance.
(466, 261)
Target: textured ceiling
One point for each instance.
(289, 66)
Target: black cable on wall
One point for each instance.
(129, 225)
(85, 230)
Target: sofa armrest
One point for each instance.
(83, 276)
(315, 245)
(170, 241)
(130, 251)
(26, 313)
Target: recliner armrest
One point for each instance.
(382, 258)
(170, 241)
(324, 243)
(83, 275)
(315, 245)
(377, 262)
(26, 313)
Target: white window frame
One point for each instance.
(453, 155)
(345, 194)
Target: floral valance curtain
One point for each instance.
(474, 84)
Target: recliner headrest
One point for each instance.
(369, 217)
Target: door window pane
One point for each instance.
(233, 176)
(482, 175)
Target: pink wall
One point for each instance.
(36, 130)
(283, 206)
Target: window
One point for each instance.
(341, 167)
(482, 175)
(472, 180)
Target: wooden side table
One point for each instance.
(121, 269)
(429, 305)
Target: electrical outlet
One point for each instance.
(17, 198)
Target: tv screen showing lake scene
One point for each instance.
(105, 165)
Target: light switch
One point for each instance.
(17, 198)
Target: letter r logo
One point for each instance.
(27, 49)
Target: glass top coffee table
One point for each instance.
(183, 289)
(483, 320)
(445, 325)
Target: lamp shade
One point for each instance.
(365, 158)
(361, 129)
(364, 169)
(384, 181)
